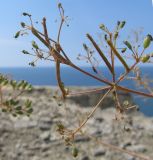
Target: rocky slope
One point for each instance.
(36, 138)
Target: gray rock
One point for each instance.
(99, 153)
(85, 158)
(45, 136)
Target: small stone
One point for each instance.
(138, 148)
(99, 153)
(45, 136)
(85, 158)
(82, 139)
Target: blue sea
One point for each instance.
(70, 77)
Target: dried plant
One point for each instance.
(129, 55)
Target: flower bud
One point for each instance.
(147, 41)
(145, 58)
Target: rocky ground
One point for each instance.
(36, 138)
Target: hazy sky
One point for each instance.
(85, 16)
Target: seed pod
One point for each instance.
(25, 52)
(123, 50)
(105, 37)
(35, 45)
(75, 152)
(151, 55)
(147, 41)
(145, 58)
(26, 14)
(102, 26)
(59, 5)
(118, 23)
(115, 35)
(22, 24)
(128, 45)
(122, 24)
(17, 34)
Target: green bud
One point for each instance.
(128, 45)
(17, 34)
(147, 41)
(145, 58)
(75, 152)
(35, 45)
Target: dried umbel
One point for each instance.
(54, 52)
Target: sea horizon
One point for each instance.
(46, 76)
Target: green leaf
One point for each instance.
(18, 108)
(28, 103)
(30, 110)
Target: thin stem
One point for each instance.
(91, 75)
(113, 147)
(134, 91)
(91, 91)
(60, 83)
(1, 95)
(118, 55)
(100, 53)
(92, 112)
